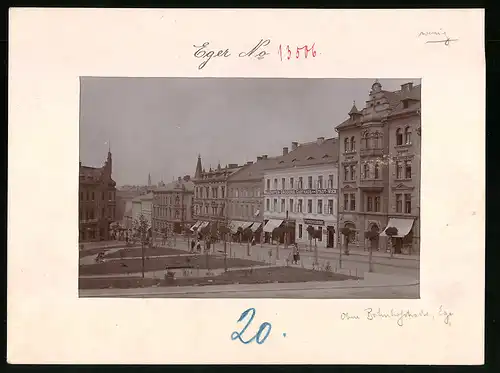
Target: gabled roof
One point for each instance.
(306, 154)
(179, 185)
(254, 171)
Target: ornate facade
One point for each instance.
(210, 193)
(173, 206)
(380, 166)
(97, 201)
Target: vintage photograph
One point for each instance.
(249, 188)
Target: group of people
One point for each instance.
(196, 245)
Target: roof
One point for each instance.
(90, 172)
(179, 185)
(252, 171)
(311, 153)
(395, 100)
(144, 197)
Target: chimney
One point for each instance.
(259, 158)
(295, 145)
(406, 87)
(320, 140)
(285, 151)
(264, 156)
(250, 162)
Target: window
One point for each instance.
(399, 203)
(299, 205)
(399, 137)
(275, 184)
(320, 206)
(283, 183)
(275, 204)
(353, 172)
(309, 182)
(320, 182)
(81, 196)
(206, 210)
(222, 191)
(81, 214)
(320, 235)
(346, 173)
(236, 193)
(366, 171)
(408, 203)
(346, 145)
(353, 202)
(377, 171)
(309, 206)
(268, 184)
(300, 230)
(346, 202)
(399, 170)
(207, 192)
(408, 169)
(283, 207)
(407, 135)
(369, 203)
(353, 144)
(330, 206)
(365, 140)
(93, 196)
(291, 205)
(377, 204)
(330, 181)
(291, 183)
(300, 186)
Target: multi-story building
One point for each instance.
(301, 190)
(210, 193)
(245, 189)
(97, 203)
(172, 205)
(143, 205)
(380, 166)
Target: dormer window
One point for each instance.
(405, 104)
(310, 158)
(326, 156)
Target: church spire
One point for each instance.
(198, 171)
(149, 179)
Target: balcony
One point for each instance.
(371, 185)
(363, 153)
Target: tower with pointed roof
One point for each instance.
(149, 179)
(199, 170)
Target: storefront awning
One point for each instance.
(271, 225)
(203, 225)
(255, 226)
(402, 225)
(195, 226)
(235, 224)
(246, 224)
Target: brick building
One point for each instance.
(97, 201)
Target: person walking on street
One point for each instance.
(193, 244)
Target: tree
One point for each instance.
(372, 237)
(240, 234)
(310, 230)
(391, 232)
(141, 230)
(317, 235)
(347, 232)
(277, 232)
(224, 231)
(248, 233)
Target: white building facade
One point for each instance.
(143, 205)
(302, 191)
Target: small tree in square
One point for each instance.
(310, 231)
(372, 237)
(347, 233)
(141, 231)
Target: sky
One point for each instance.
(160, 125)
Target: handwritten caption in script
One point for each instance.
(400, 316)
(258, 51)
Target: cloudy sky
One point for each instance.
(160, 125)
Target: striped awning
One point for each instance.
(255, 226)
(246, 224)
(195, 226)
(203, 225)
(272, 224)
(234, 225)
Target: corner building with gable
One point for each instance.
(379, 174)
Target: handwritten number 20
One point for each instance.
(258, 336)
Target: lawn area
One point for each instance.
(136, 252)
(155, 264)
(257, 276)
(96, 250)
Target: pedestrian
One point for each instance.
(193, 244)
(198, 246)
(253, 241)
